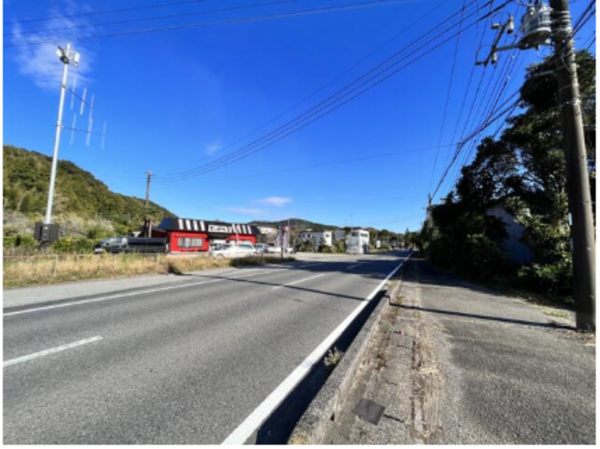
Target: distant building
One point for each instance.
(319, 238)
(267, 234)
(518, 252)
(268, 230)
(358, 242)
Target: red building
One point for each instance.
(186, 235)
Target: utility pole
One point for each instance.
(147, 219)
(67, 57)
(578, 187)
(148, 179)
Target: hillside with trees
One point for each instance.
(83, 205)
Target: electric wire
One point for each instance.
(448, 95)
(143, 19)
(291, 123)
(311, 166)
(110, 11)
(326, 9)
(277, 134)
(330, 82)
(506, 107)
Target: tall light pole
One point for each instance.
(67, 57)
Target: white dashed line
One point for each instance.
(35, 355)
(298, 281)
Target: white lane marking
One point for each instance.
(263, 411)
(35, 355)
(298, 281)
(352, 266)
(124, 295)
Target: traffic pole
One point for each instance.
(578, 186)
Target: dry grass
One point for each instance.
(38, 270)
(333, 358)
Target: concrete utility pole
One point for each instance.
(67, 57)
(578, 186)
(148, 222)
(148, 179)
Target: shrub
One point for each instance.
(74, 245)
(339, 246)
(555, 280)
(23, 242)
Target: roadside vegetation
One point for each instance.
(20, 271)
(523, 171)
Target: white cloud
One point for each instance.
(245, 210)
(277, 201)
(212, 148)
(40, 62)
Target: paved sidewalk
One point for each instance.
(457, 364)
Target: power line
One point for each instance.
(320, 10)
(142, 19)
(282, 132)
(495, 95)
(493, 99)
(292, 122)
(585, 16)
(482, 127)
(333, 80)
(323, 164)
(110, 11)
(327, 106)
(450, 82)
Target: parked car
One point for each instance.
(271, 249)
(115, 245)
(232, 251)
(261, 248)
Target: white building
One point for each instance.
(319, 238)
(358, 242)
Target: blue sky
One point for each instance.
(175, 100)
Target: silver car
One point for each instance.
(233, 251)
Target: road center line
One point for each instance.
(298, 281)
(35, 355)
(253, 422)
(124, 295)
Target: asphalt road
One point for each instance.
(182, 364)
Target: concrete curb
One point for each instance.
(311, 427)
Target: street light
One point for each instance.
(67, 57)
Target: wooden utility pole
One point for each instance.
(578, 186)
